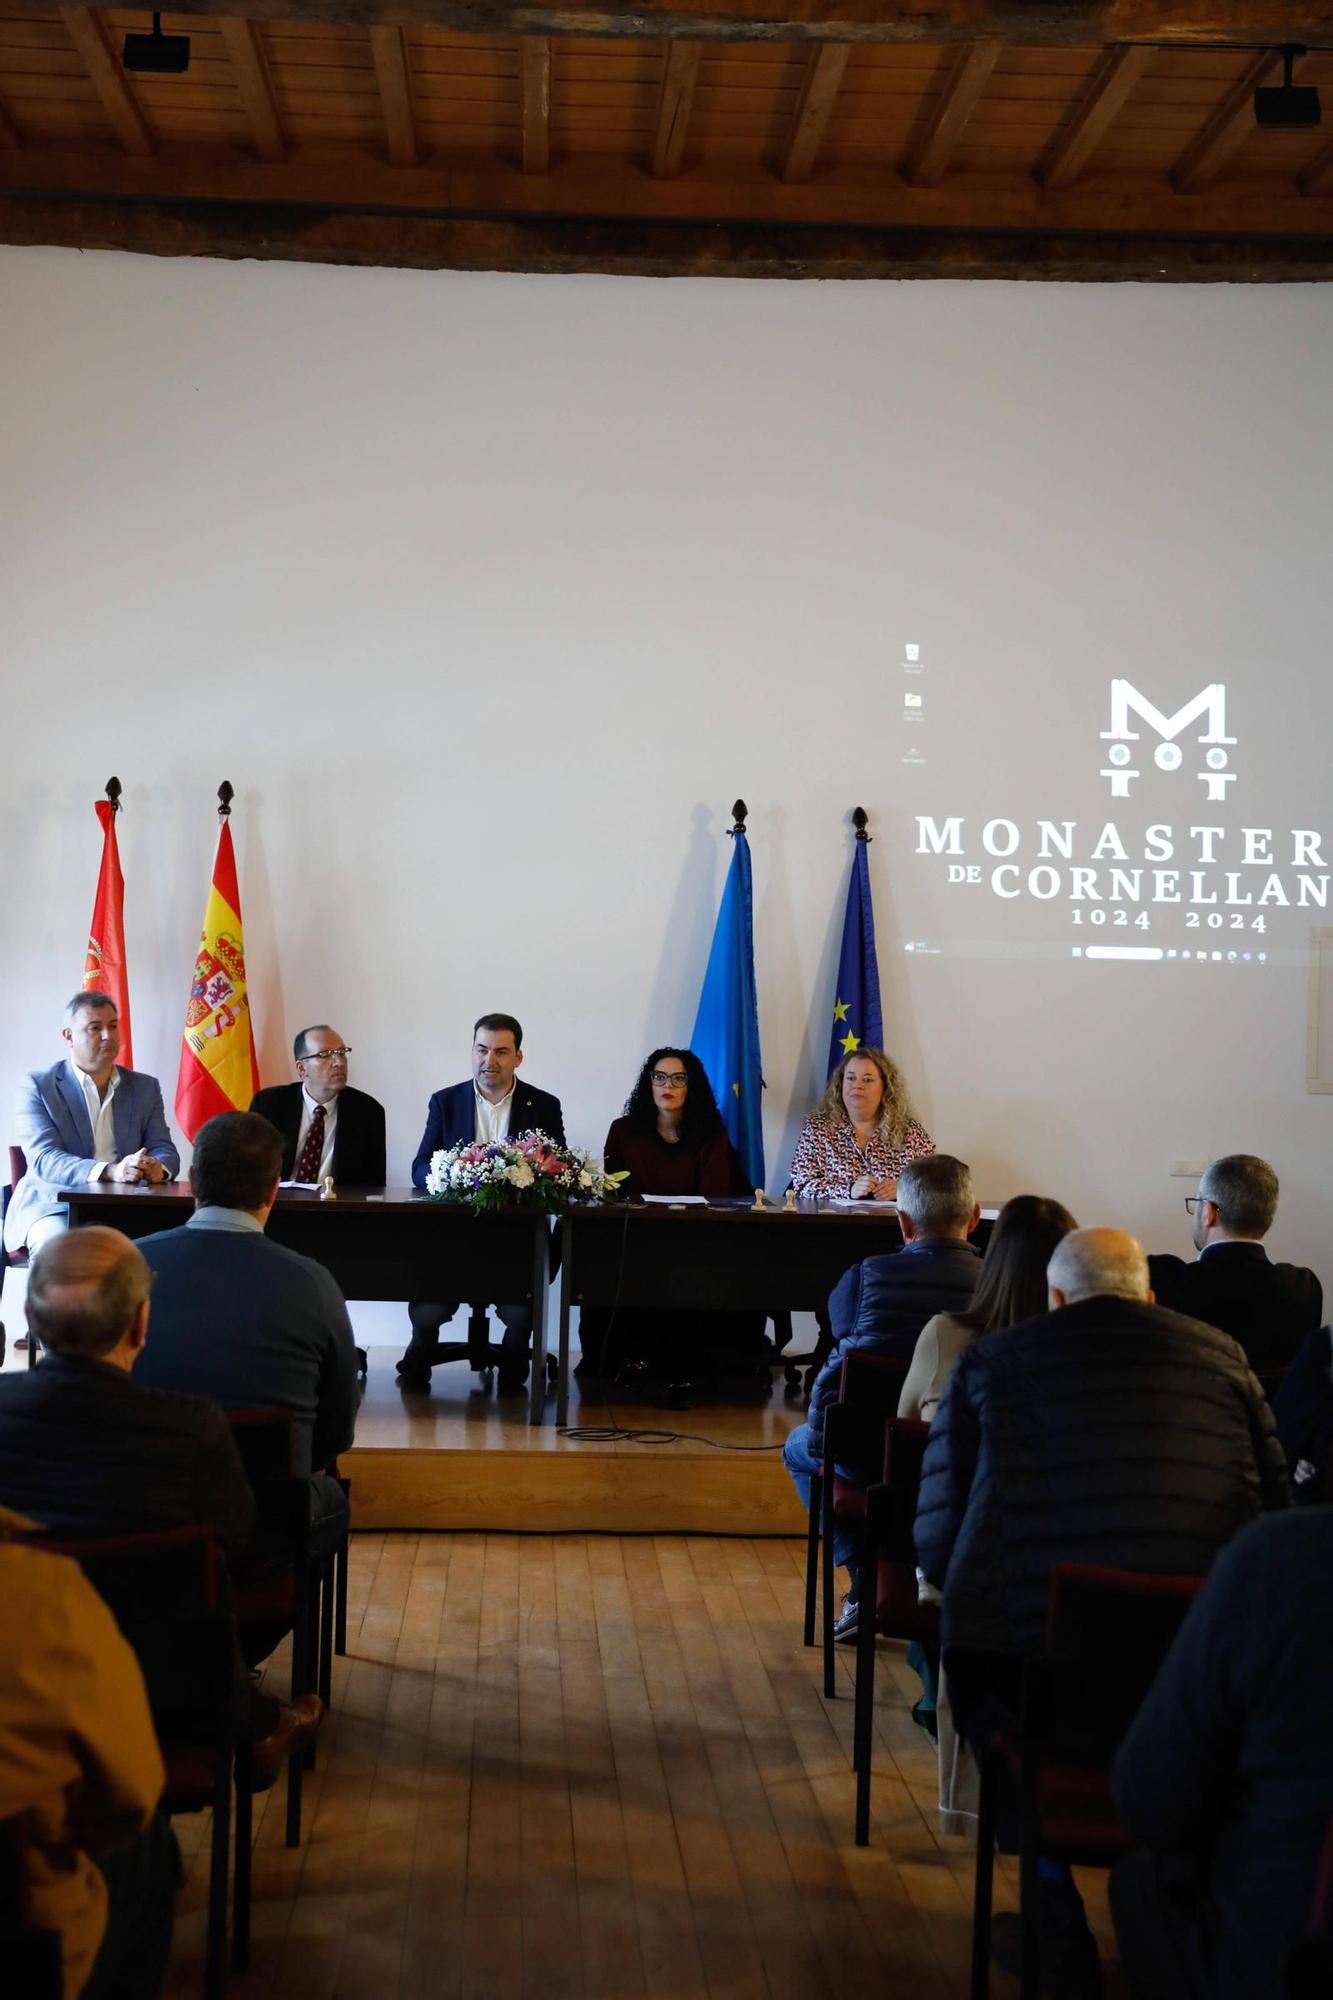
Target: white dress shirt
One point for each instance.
(493, 1119)
(330, 1125)
(100, 1118)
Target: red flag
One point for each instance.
(104, 962)
(218, 1068)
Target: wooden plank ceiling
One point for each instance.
(986, 143)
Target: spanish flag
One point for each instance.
(104, 960)
(218, 1069)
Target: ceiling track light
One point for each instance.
(1290, 107)
(157, 54)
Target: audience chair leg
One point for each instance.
(985, 1877)
(240, 1892)
(863, 1713)
(215, 1950)
(812, 1528)
(826, 1515)
(1028, 1882)
(326, 1596)
(295, 1774)
(340, 1582)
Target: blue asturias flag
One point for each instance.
(726, 1028)
(857, 1019)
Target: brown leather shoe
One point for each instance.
(297, 1725)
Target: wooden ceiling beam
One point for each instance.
(1034, 23)
(244, 52)
(1107, 95)
(1318, 178)
(959, 98)
(675, 101)
(1226, 131)
(388, 46)
(814, 107)
(547, 243)
(9, 131)
(88, 32)
(535, 51)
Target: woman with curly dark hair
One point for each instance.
(671, 1139)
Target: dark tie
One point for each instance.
(307, 1167)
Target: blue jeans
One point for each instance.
(802, 1464)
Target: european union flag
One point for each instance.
(726, 1028)
(857, 1019)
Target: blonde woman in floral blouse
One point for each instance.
(861, 1134)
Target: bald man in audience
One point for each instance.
(1106, 1430)
(1268, 1307)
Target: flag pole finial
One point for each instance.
(738, 814)
(860, 820)
(225, 796)
(113, 793)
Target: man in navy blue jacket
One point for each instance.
(491, 1104)
(1226, 1774)
(888, 1300)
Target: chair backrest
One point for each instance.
(266, 1441)
(1107, 1633)
(869, 1386)
(904, 1451)
(18, 1165)
(165, 1593)
(1311, 1966)
(31, 1957)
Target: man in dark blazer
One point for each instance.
(326, 1126)
(1269, 1308)
(492, 1104)
(85, 1120)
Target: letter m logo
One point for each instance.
(1210, 701)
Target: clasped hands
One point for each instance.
(869, 1189)
(140, 1166)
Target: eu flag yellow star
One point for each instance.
(850, 1042)
(840, 1010)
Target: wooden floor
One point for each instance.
(566, 1765)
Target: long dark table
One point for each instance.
(728, 1254)
(379, 1243)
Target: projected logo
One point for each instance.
(1168, 755)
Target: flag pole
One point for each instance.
(738, 815)
(113, 789)
(226, 793)
(860, 820)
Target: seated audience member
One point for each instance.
(935, 1271)
(1011, 1285)
(87, 1451)
(670, 1140)
(861, 1134)
(1303, 1413)
(491, 1104)
(81, 1772)
(1267, 1307)
(85, 1448)
(1106, 1430)
(247, 1322)
(328, 1129)
(1226, 1775)
(85, 1120)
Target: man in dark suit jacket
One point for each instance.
(493, 1104)
(887, 1302)
(87, 1450)
(246, 1321)
(1268, 1308)
(326, 1126)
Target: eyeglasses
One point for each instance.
(1192, 1202)
(326, 1055)
(672, 1078)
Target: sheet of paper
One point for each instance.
(677, 1200)
(300, 1184)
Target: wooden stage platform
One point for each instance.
(463, 1458)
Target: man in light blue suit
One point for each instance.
(85, 1120)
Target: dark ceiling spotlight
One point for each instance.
(158, 54)
(1290, 107)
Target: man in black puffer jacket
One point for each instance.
(1107, 1430)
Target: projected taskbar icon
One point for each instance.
(1158, 954)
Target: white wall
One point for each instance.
(490, 593)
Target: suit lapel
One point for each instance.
(71, 1096)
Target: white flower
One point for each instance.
(585, 1179)
(520, 1175)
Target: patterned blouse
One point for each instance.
(827, 1158)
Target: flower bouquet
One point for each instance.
(528, 1172)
